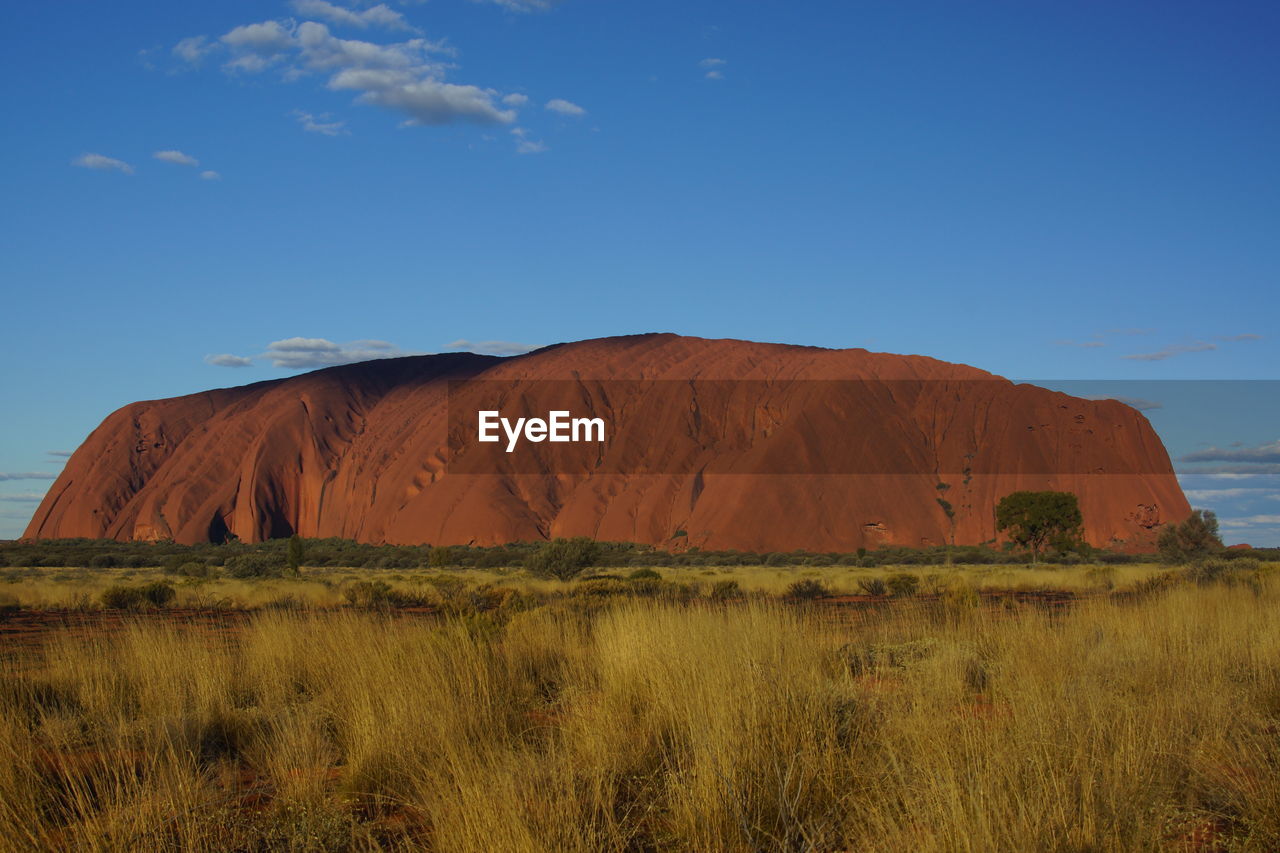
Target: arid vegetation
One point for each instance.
(720, 712)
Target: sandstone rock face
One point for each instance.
(767, 447)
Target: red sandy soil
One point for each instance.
(363, 452)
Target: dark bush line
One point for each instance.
(553, 559)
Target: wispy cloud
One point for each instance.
(491, 347)
(1232, 472)
(228, 360)
(59, 454)
(176, 157)
(308, 353)
(1171, 351)
(27, 475)
(714, 66)
(102, 163)
(210, 175)
(1249, 521)
(1263, 453)
(375, 16)
(1197, 346)
(515, 99)
(193, 50)
(324, 123)
(522, 5)
(525, 145)
(565, 108)
(407, 77)
(23, 497)
(1209, 495)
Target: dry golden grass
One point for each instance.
(1139, 724)
(60, 589)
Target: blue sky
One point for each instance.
(1053, 191)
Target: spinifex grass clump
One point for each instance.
(1126, 723)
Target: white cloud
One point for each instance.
(407, 77)
(27, 475)
(525, 145)
(193, 50)
(425, 101)
(103, 163)
(1249, 521)
(256, 47)
(176, 157)
(1203, 495)
(267, 38)
(714, 66)
(515, 99)
(23, 497)
(522, 5)
(491, 347)
(323, 51)
(308, 353)
(1264, 453)
(377, 16)
(323, 124)
(1233, 472)
(210, 175)
(565, 108)
(228, 360)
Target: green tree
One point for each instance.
(563, 558)
(1033, 520)
(1192, 540)
(297, 551)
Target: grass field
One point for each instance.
(1148, 720)
(62, 588)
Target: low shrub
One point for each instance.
(260, 565)
(157, 594)
(370, 594)
(725, 590)
(807, 590)
(121, 597)
(903, 584)
(1220, 570)
(873, 586)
